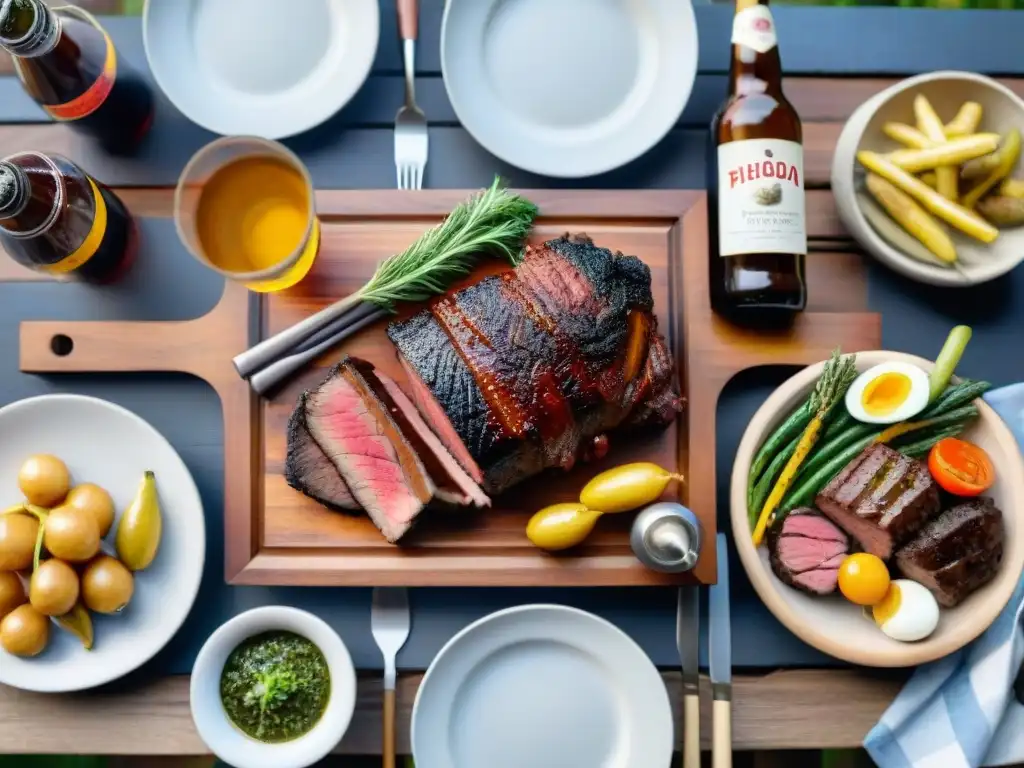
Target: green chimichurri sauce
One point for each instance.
(275, 686)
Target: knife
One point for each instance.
(720, 663)
(688, 643)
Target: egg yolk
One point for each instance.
(863, 579)
(886, 393)
(889, 605)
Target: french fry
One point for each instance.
(907, 134)
(953, 152)
(1009, 154)
(929, 178)
(929, 124)
(1012, 188)
(912, 217)
(967, 120)
(963, 219)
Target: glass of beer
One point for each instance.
(245, 207)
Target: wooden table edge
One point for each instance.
(784, 709)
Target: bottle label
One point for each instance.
(90, 244)
(761, 197)
(95, 94)
(754, 28)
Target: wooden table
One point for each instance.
(825, 706)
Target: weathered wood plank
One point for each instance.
(788, 709)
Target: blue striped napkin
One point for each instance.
(960, 711)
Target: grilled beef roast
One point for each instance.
(881, 498)
(806, 549)
(519, 371)
(957, 552)
(307, 468)
(380, 449)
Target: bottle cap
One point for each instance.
(11, 187)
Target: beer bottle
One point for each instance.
(757, 211)
(69, 65)
(57, 219)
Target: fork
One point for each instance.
(410, 123)
(389, 624)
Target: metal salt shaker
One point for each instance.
(667, 537)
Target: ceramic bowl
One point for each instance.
(1002, 110)
(224, 739)
(832, 624)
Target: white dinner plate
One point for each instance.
(108, 445)
(544, 686)
(260, 67)
(568, 88)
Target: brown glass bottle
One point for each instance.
(71, 68)
(55, 218)
(757, 211)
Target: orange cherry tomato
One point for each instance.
(960, 467)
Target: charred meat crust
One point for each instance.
(526, 366)
(957, 552)
(308, 470)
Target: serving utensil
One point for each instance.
(411, 140)
(720, 662)
(390, 623)
(688, 645)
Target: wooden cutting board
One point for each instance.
(274, 535)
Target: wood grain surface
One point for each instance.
(277, 536)
(788, 709)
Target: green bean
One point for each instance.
(955, 396)
(764, 485)
(790, 428)
(803, 494)
(920, 449)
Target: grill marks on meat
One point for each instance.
(957, 552)
(368, 449)
(309, 471)
(516, 372)
(881, 499)
(806, 550)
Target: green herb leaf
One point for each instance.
(494, 221)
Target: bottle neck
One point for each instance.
(755, 66)
(28, 28)
(14, 190)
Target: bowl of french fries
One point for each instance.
(927, 178)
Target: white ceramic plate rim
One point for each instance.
(166, 34)
(186, 588)
(585, 151)
(843, 167)
(657, 689)
(227, 741)
(764, 581)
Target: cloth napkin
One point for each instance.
(960, 711)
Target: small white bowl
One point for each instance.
(224, 739)
(1002, 110)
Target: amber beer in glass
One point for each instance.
(756, 179)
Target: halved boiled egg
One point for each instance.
(908, 612)
(888, 393)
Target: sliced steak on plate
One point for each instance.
(307, 468)
(806, 549)
(957, 552)
(881, 498)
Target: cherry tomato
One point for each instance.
(962, 468)
(863, 579)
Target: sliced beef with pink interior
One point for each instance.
(360, 437)
(452, 484)
(881, 499)
(308, 470)
(957, 552)
(806, 549)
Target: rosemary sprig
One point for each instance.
(494, 221)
